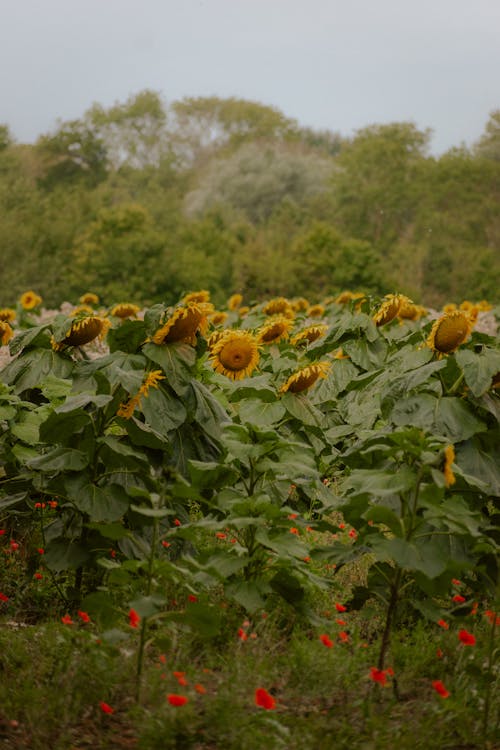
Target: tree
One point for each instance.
(74, 153)
(488, 146)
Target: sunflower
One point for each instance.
(346, 296)
(7, 314)
(203, 295)
(449, 307)
(300, 304)
(125, 310)
(235, 354)
(234, 301)
(449, 457)
(29, 300)
(309, 334)
(151, 380)
(484, 305)
(389, 309)
(305, 377)
(6, 333)
(315, 311)
(277, 329)
(182, 325)
(82, 331)
(449, 331)
(79, 309)
(214, 337)
(243, 311)
(89, 298)
(278, 306)
(218, 318)
(471, 309)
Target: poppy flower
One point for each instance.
(66, 620)
(264, 700)
(106, 708)
(326, 640)
(340, 607)
(3, 597)
(443, 624)
(177, 700)
(458, 598)
(133, 618)
(84, 617)
(440, 688)
(200, 689)
(468, 639)
(378, 675)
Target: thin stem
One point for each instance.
(142, 635)
(489, 673)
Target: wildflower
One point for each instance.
(353, 533)
(242, 635)
(294, 530)
(344, 637)
(66, 620)
(220, 535)
(449, 331)
(133, 618)
(264, 700)
(84, 616)
(449, 457)
(340, 622)
(456, 582)
(276, 330)
(440, 688)
(235, 354)
(177, 522)
(458, 598)
(106, 708)
(41, 551)
(38, 576)
(443, 624)
(14, 546)
(200, 689)
(340, 607)
(305, 377)
(162, 659)
(29, 300)
(192, 598)
(439, 653)
(378, 675)
(165, 544)
(2, 532)
(492, 617)
(326, 640)
(3, 597)
(181, 678)
(177, 700)
(468, 639)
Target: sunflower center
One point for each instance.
(236, 355)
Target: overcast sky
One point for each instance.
(334, 64)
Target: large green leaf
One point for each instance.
(479, 368)
(30, 369)
(379, 483)
(455, 420)
(108, 503)
(163, 411)
(176, 360)
(60, 459)
(261, 413)
(57, 428)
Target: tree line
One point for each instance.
(145, 200)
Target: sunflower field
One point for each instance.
(256, 526)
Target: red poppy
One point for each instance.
(292, 516)
(200, 689)
(3, 597)
(456, 582)
(466, 638)
(106, 708)
(378, 675)
(66, 620)
(2, 532)
(353, 533)
(340, 607)
(242, 635)
(440, 688)
(443, 624)
(133, 618)
(165, 544)
(326, 640)
(14, 546)
(344, 637)
(264, 700)
(38, 576)
(84, 617)
(176, 700)
(459, 598)
(220, 535)
(439, 653)
(41, 551)
(177, 522)
(294, 530)
(192, 598)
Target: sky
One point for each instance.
(330, 64)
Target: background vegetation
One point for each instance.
(233, 195)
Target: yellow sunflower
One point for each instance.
(346, 296)
(305, 377)
(89, 298)
(471, 309)
(484, 306)
(389, 309)
(235, 354)
(29, 300)
(278, 306)
(300, 304)
(182, 325)
(449, 457)
(276, 330)
(151, 380)
(315, 311)
(6, 333)
(203, 295)
(234, 301)
(309, 334)
(243, 311)
(449, 331)
(79, 309)
(7, 314)
(82, 331)
(218, 318)
(449, 307)
(125, 310)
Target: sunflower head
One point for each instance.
(243, 311)
(89, 298)
(300, 304)
(315, 311)
(125, 310)
(218, 318)
(484, 306)
(82, 330)
(449, 331)
(181, 325)
(235, 354)
(275, 330)
(79, 309)
(388, 310)
(6, 333)
(234, 301)
(7, 314)
(449, 307)
(309, 334)
(203, 295)
(278, 306)
(305, 377)
(30, 300)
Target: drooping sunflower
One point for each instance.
(125, 310)
(218, 317)
(203, 295)
(235, 354)
(234, 301)
(89, 298)
(181, 325)
(309, 334)
(6, 333)
(244, 309)
(300, 304)
(7, 314)
(315, 311)
(279, 306)
(449, 331)
(81, 331)
(30, 300)
(276, 330)
(305, 377)
(79, 309)
(389, 309)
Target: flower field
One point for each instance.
(253, 526)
